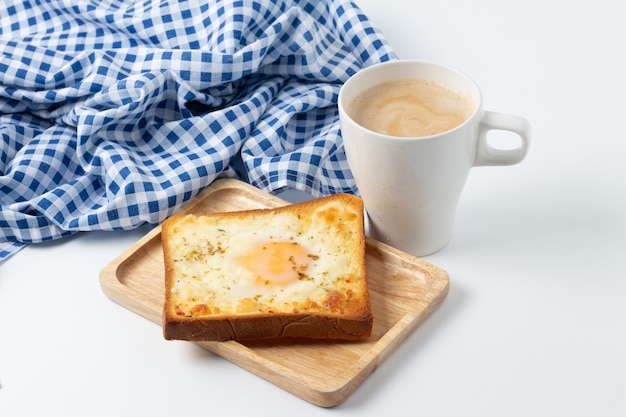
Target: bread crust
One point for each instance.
(337, 316)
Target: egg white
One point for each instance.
(219, 277)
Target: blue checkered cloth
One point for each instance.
(114, 113)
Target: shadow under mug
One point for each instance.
(411, 186)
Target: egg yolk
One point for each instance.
(278, 263)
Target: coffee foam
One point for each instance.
(410, 108)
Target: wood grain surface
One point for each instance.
(404, 292)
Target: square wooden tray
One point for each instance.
(404, 292)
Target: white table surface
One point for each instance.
(535, 321)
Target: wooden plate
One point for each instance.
(404, 291)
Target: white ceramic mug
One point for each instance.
(411, 186)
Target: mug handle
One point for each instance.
(487, 155)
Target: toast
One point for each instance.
(296, 271)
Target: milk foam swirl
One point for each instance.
(410, 108)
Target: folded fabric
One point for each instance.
(113, 113)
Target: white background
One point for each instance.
(535, 321)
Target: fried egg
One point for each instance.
(262, 261)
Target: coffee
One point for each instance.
(411, 186)
(410, 108)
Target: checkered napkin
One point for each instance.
(113, 113)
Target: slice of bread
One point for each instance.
(296, 271)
